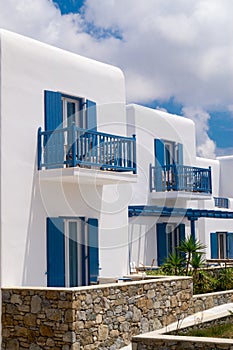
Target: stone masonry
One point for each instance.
(95, 317)
(207, 301)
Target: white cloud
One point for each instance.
(205, 146)
(181, 49)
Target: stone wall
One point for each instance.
(207, 301)
(164, 342)
(101, 317)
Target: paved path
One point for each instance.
(199, 317)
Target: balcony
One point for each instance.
(170, 181)
(221, 202)
(74, 152)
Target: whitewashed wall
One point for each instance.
(226, 171)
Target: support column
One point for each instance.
(193, 229)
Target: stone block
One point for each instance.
(35, 304)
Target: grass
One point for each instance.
(219, 331)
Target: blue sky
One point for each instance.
(175, 54)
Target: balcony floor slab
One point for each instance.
(180, 194)
(87, 176)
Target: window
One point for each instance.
(73, 112)
(221, 244)
(62, 110)
(173, 237)
(72, 252)
(168, 154)
(76, 253)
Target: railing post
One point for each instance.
(39, 149)
(74, 145)
(134, 155)
(210, 180)
(176, 178)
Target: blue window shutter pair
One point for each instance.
(159, 153)
(56, 253)
(214, 245)
(54, 112)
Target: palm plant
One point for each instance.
(192, 248)
(174, 264)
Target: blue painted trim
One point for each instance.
(191, 214)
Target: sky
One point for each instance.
(176, 54)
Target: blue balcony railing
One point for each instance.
(180, 178)
(221, 202)
(73, 146)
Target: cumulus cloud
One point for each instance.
(181, 49)
(205, 146)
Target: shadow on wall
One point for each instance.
(142, 244)
(34, 270)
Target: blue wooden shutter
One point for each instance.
(161, 243)
(55, 252)
(179, 154)
(91, 115)
(159, 162)
(54, 143)
(93, 242)
(53, 110)
(230, 245)
(214, 245)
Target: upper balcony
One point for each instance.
(171, 181)
(80, 155)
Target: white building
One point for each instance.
(177, 194)
(74, 179)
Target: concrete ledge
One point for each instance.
(162, 342)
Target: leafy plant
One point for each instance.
(191, 247)
(174, 264)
